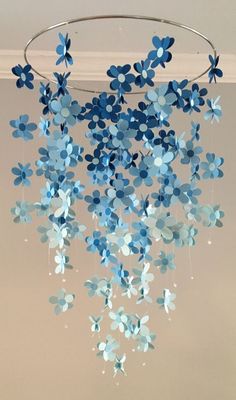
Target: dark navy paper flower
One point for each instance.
(179, 89)
(123, 79)
(214, 71)
(25, 77)
(94, 115)
(61, 83)
(211, 167)
(108, 107)
(46, 95)
(161, 55)
(146, 74)
(63, 50)
(195, 99)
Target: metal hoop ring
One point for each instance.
(115, 16)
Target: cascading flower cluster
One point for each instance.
(142, 183)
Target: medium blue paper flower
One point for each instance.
(214, 71)
(123, 79)
(193, 193)
(177, 190)
(142, 174)
(77, 190)
(120, 192)
(23, 128)
(63, 50)
(97, 242)
(95, 201)
(214, 113)
(25, 77)
(23, 172)
(190, 153)
(161, 55)
(161, 199)
(146, 74)
(47, 193)
(211, 167)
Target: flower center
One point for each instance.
(160, 52)
(144, 74)
(161, 100)
(143, 128)
(158, 162)
(65, 112)
(23, 77)
(121, 78)
(190, 153)
(143, 174)
(176, 191)
(120, 135)
(22, 127)
(212, 167)
(120, 194)
(109, 108)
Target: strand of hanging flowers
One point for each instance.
(117, 171)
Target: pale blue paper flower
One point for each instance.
(119, 320)
(165, 261)
(107, 348)
(214, 113)
(21, 212)
(95, 327)
(63, 301)
(167, 300)
(119, 365)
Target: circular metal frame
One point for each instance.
(115, 16)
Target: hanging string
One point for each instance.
(190, 263)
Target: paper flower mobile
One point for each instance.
(117, 175)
